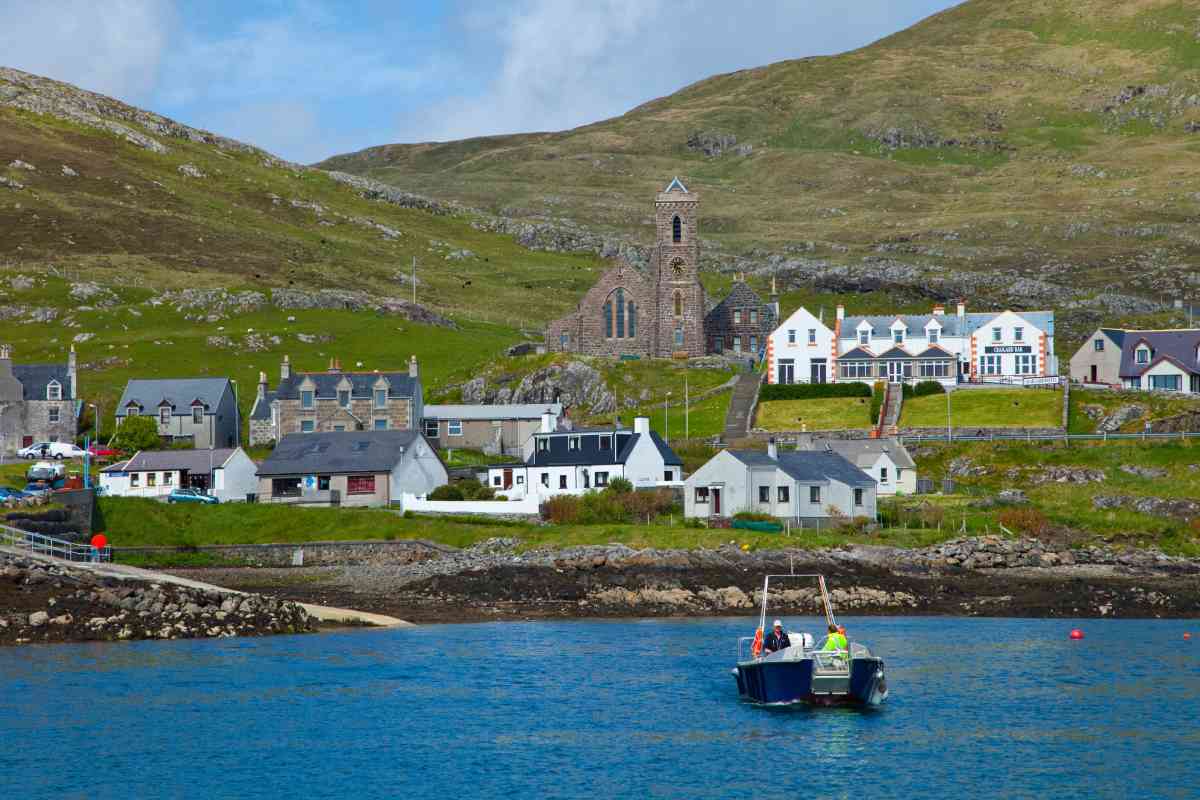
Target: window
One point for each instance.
(935, 369)
(679, 337)
(339, 428)
(898, 336)
(631, 321)
(543, 445)
(135, 479)
(1099, 345)
(1143, 355)
(197, 415)
(322, 483)
(608, 321)
(164, 416)
(934, 333)
(54, 391)
(1018, 334)
(753, 316)
(677, 230)
(344, 398)
(812, 335)
(546, 479)
(454, 427)
(360, 484)
(883, 475)
(669, 475)
(496, 480)
(864, 337)
(602, 479)
(564, 340)
(605, 443)
(132, 411)
(792, 336)
(381, 424)
(858, 498)
(620, 313)
(679, 304)
(562, 481)
(701, 494)
(520, 480)
(168, 478)
(856, 369)
(572, 442)
(995, 334)
(285, 487)
(737, 344)
(53, 414)
(151, 479)
(989, 365)
(764, 494)
(306, 426)
(814, 495)
(431, 428)
(1026, 364)
(737, 316)
(306, 398)
(1166, 383)
(783, 494)
(753, 344)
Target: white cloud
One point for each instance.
(114, 47)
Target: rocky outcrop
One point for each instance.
(1058, 474)
(1138, 471)
(47, 602)
(214, 305)
(1177, 508)
(1121, 416)
(574, 384)
(714, 144)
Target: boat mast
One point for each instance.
(829, 620)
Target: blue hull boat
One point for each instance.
(806, 674)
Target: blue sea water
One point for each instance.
(979, 708)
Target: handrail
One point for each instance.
(49, 546)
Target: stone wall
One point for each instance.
(31, 418)
(585, 326)
(373, 553)
(327, 413)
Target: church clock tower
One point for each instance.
(681, 302)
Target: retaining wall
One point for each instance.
(308, 554)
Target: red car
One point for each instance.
(102, 451)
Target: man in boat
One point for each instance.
(836, 640)
(777, 639)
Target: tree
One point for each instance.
(137, 433)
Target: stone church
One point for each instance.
(661, 312)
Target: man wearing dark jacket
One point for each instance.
(776, 640)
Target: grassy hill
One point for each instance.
(1045, 147)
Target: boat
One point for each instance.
(806, 673)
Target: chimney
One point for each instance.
(772, 450)
(549, 421)
(775, 298)
(939, 310)
(262, 385)
(413, 370)
(641, 425)
(334, 365)
(285, 369)
(841, 311)
(962, 309)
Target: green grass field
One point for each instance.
(985, 408)
(1103, 403)
(824, 414)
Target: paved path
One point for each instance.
(737, 418)
(126, 572)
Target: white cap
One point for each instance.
(777, 624)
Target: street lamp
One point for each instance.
(949, 431)
(237, 416)
(667, 419)
(96, 409)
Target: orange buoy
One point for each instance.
(1187, 636)
(757, 647)
(1076, 634)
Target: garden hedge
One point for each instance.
(812, 391)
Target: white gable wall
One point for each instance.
(802, 354)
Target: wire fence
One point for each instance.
(1030, 436)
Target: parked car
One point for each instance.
(191, 496)
(15, 494)
(59, 450)
(37, 489)
(102, 451)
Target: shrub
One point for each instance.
(877, 401)
(137, 433)
(753, 516)
(1029, 521)
(927, 388)
(812, 391)
(648, 504)
(620, 486)
(446, 492)
(561, 510)
(596, 508)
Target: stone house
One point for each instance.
(334, 401)
(199, 411)
(38, 402)
(661, 312)
(351, 468)
(226, 473)
(493, 429)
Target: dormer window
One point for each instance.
(572, 442)
(381, 398)
(934, 334)
(898, 335)
(306, 398)
(164, 415)
(54, 390)
(1143, 355)
(132, 411)
(344, 398)
(543, 445)
(864, 336)
(198, 414)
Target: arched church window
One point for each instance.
(631, 323)
(620, 313)
(679, 304)
(608, 320)
(679, 337)
(677, 230)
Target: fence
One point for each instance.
(1051, 437)
(49, 546)
(1027, 382)
(524, 506)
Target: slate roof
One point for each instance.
(951, 324)
(740, 296)
(487, 412)
(186, 460)
(1115, 335)
(808, 466)
(857, 354)
(179, 392)
(262, 406)
(35, 378)
(401, 384)
(589, 453)
(338, 452)
(864, 452)
(935, 352)
(1178, 346)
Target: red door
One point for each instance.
(508, 479)
(716, 498)
(26, 441)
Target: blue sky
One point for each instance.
(309, 79)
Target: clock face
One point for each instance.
(677, 269)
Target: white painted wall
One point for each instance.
(790, 342)
(418, 472)
(236, 478)
(1031, 336)
(417, 503)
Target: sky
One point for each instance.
(308, 79)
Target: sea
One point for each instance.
(979, 708)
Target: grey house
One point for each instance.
(809, 487)
(350, 468)
(494, 429)
(202, 411)
(38, 402)
(1160, 361)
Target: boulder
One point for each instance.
(38, 618)
(1120, 417)
(1143, 472)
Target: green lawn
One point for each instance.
(824, 414)
(985, 408)
(470, 458)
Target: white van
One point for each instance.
(57, 450)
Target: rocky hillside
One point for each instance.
(1023, 152)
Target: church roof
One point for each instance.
(675, 185)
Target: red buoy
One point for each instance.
(1187, 636)
(1076, 634)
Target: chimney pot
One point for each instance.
(413, 370)
(841, 311)
(772, 450)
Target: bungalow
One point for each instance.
(885, 460)
(202, 412)
(560, 461)
(806, 486)
(350, 468)
(226, 474)
(1166, 361)
(494, 429)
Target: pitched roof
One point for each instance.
(675, 185)
(186, 460)
(588, 454)
(400, 384)
(487, 412)
(338, 452)
(864, 452)
(952, 324)
(1179, 345)
(742, 296)
(857, 354)
(35, 378)
(262, 406)
(808, 466)
(180, 393)
(1115, 335)
(935, 352)
(894, 353)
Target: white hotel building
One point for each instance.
(989, 347)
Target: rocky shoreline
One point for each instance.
(985, 576)
(51, 602)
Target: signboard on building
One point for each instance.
(1005, 349)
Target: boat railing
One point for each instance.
(744, 649)
(827, 662)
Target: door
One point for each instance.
(716, 502)
(895, 371)
(787, 372)
(818, 370)
(1094, 374)
(26, 441)
(508, 479)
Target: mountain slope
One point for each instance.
(1052, 140)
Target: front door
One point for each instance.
(1094, 374)
(508, 479)
(716, 502)
(787, 372)
(895, 371)
(26, 441)
(818, 371)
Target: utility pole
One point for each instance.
(949, 432)
(687, 432)
(667, 419)
(414, 280)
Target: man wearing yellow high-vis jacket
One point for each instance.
(836, 640)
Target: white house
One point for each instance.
(801, 350)
(808, 486)
(885, 460)
(1151, 360)
(227, 474)
(561, 461)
